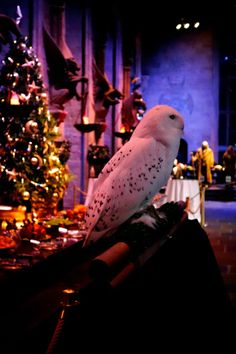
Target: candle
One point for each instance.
(85, 120)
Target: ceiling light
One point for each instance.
(186, 25)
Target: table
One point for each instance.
(180, 189)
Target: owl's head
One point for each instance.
(162, 122)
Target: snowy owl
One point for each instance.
(136, 172)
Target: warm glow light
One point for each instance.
(14, 99)
(62, 230)
(19, 224)
(36, 242)
(5, 207)
(56, 130)
(68, 291)
(178, 26)
(4, 225)
(85, 120)
(196, 24)
(53, 171)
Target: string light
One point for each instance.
(29, 146)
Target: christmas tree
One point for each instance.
(33, 170)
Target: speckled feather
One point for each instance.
(133, 176)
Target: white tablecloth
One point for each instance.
(180, 189)
(176, 190)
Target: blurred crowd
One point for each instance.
(202, 166)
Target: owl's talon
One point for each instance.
(147, 220)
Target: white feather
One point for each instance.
(136, 173)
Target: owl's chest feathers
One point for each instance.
(158, 169)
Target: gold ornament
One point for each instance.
(45, 148)
(34, 161)
(55, 196)
(26, 195)
(31, 127)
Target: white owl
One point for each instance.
(136, 173)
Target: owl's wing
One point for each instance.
(113, 163)
(128, 182)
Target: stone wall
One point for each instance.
(183, 73)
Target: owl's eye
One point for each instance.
(172, 116)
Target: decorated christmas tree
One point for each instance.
(33, 170)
